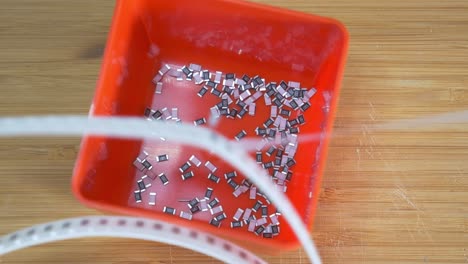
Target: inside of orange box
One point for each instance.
(148, 34)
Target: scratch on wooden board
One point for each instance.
(336, 241)
(365, 131)
(363, 249)
(358, 163)
(372, 106)
(458, 178)
(170, 255)
(337, 248)
(423, 228)
(339, 220)
(371, 155)
(369, 138)
(37, 151)
(300, 256)
(410, 233)
(402, 193)
(372, 111)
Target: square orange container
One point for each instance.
(224, 35)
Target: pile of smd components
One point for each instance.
(237, 96)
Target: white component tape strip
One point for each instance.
(137, 128)
(128, 227)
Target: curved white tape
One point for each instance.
(125, 127)
(128, 227)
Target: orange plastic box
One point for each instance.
(225, 35)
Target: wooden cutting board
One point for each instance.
(388, 196)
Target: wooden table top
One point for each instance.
(388, 196)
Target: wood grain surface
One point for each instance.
(388, 196)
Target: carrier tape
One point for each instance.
(137, 128)
(128, 227)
